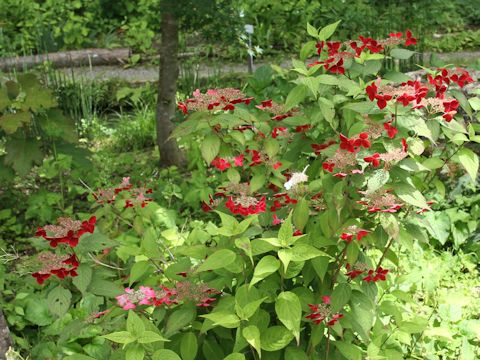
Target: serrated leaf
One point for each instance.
(296, 96)
(135, 325)
(84, 277)
(149, 337)
(252, 335)
(411, 195)
(218, 260)
(210, 147)
(289, 312)
(120, 337)
(469, 160)
(301, 214)
(138, 270)
(223, 318)
(401, 54)
(180, 318)
(275, 338)
(11, 122)
(188, 346)
(165, 354)
(59, 301)
(135, 352)
(22, 154)
(265, 267)
(340, 296)
(327, 31)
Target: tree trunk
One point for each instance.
(170, 154)
(5, 340)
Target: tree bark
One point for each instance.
(5, 340)
(170, 154)
(73, 58)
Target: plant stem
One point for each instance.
(60, 175)
(327, 350)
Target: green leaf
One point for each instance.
(415, 326)
(149, 337)
(235, 356)
(59, 301)
(469, 160)
(121, 337)
(312, 31)
(295, 353)
(265, 267)
(189, 346)
(210, 147)
(11, 122)
(223, 318)
(396, 76)
(296, 96)
(340, 296)
(218, 260)
(275, 338)
(285, 233)
(180, 318)
(411, 195)
(303, 252)
(37, 312)
(327, 109)
(165, 354)
(475, 103)
(402, 54)
(289, 312)
(135, 325)
(84, 278)
(257, 181)
(138, 270)
(306, 51)
(350, 351)
(99, 286)
(252, 335)
(327, 31)
(377, 180)
(22, 154)
(327, 79)
(135, 352)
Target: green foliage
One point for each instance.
(263, 279)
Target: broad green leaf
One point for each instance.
(350, 351)
(11, 122)
(59, 301)
(396, 76)
(295, 353)
(121, 337)
(265, 267)
(218, 260)
(180, 318)
(275, 338)
(327, 109)
(475, 103)
(37, 312)
(305, 52)
(135, 352)
(327, 79)
(414, 326)
(411, 195)
(250, 308)
(84, 277)
(235, 356)
(289, 312)
(22, 154)
(285, 256)
(138, 270)
(252, 335)
(99, 286)
(327, 31)
(303, 252)
(188, 346)
(312, 31)
(165, 354)
(135, 325)
(296, 96)
(223, 318)
(149, 337)
(285, 233)
(257, 181)
(402, 54)
(340, 296)
(469, 160)
(210, 147)
(377, 180)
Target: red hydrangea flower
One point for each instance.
(379, 274)
(410, 39)
(391, 130)
(246, 205)
(220, 164)
(374, 159)
(322, 312)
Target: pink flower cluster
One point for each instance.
(200, 294)
(214, 99)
